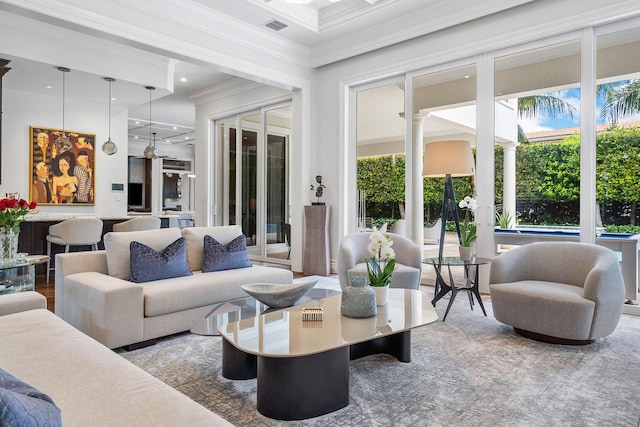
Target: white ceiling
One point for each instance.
(353, 25)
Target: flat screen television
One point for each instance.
(135, 195)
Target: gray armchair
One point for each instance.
(353, 255)
(559, 292)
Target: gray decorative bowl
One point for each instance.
(279, 295)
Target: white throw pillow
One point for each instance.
(195, 241)
(117, 247)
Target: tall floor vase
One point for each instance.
(8, 245)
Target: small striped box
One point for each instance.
(312, 314)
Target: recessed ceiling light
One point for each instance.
(135, 137)
(48, 86)
(113, 98)
(137, 122)
(466, 77)
(186, 137)
(175, 127)
(183, 79)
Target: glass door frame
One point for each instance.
(259, 251)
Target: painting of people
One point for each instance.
(62, 170)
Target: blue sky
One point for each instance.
(572, 96)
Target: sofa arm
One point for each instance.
(76, 262)
(21, 301)
(106, 308)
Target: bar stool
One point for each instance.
(74, 232)
(138, 224)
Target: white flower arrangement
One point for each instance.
(381, 254)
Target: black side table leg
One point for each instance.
(454, 292)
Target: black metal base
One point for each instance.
(141, 344)
(549, 339)
(236, 364)
(297, 388)
(396, 345)
(443, 288)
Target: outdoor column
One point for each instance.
(417, 196)
(509, 179)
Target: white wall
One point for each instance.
(24, 109)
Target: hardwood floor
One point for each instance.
(48, 290)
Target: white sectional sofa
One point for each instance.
(93, 292)
(90, 384)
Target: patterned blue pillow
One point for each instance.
(148, 264)
(224, 257)
(24, 405)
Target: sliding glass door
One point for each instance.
(255, 177)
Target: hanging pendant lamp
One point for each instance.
(150, 150)
(63, 143)
(109, 147)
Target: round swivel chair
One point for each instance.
(74, 232)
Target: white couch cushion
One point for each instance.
(117, 247)
(195, 241)
(201, 289)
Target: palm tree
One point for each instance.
(621, 101)
(536, 105)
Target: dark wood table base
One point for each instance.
(297, 388)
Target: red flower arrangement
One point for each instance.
(12, 213)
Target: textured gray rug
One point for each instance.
(468, 371)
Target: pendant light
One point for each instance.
(63, 143)
(150, 150)
(109, 147)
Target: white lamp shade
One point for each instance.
(444, 158)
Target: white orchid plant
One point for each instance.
(382, 262)
(468, 229)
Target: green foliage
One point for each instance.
(380, 276)
(504, 220)
(547, 175)
(627, 229)
(618, 165)
(382, 178)
(468, 233)
(379, 222)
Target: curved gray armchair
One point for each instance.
(138, 224)
(560, 292)
(353, 255)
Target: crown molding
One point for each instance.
(230, 88)
(437, 16)
(206, 31)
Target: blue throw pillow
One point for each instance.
(148, 264)
(224, 257)
(23, 405)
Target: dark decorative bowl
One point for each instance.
(279, 295)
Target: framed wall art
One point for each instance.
(62, 169)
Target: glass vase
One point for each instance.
(8, 245)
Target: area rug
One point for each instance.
(468, 371)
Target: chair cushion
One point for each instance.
(403, 276)
(195, 241)
(225, 257)
(548, 308)
(148, 264)
(24, 405)
(118, 251)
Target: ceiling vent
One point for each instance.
(275, 25)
